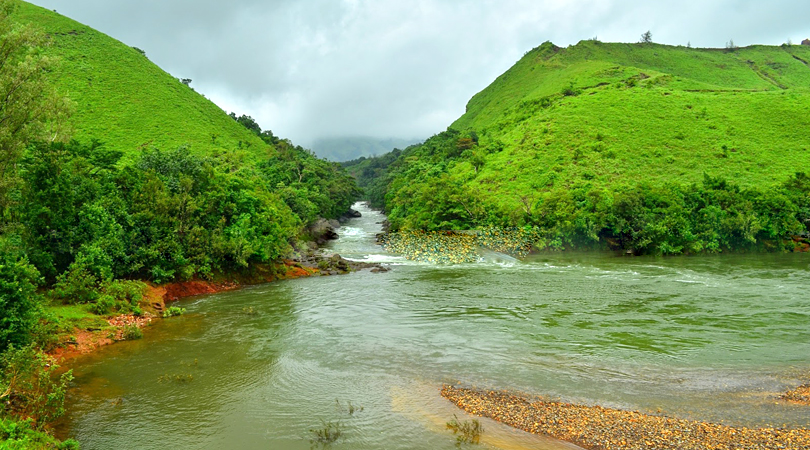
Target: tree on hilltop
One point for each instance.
(646, 37)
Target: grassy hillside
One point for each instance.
(645, 111)
(125, 100)
(157, 183)
(600, 120)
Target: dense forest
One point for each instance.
(641, 147)
(85, 222)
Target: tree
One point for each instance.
(646, 37)
(29, 108)
(18, 307)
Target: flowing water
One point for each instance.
(712, 338)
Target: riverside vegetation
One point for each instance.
(113, 173)
(641, 147)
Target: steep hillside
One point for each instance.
(568, 129)
(126, 101)
(157, 183)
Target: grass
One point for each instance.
(129, 103)
(700, 111)
(599, 116)
(76, 316)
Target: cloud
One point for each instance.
(317, 68)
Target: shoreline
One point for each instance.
(599, 428)
(85, 341)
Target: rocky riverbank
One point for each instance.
(458, 247)
(598, 428)
(800, 395)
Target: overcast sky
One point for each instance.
(308, 69)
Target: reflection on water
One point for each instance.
(709, 338)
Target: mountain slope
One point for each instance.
(566, 135)
(126, 101)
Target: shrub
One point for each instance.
(570, 90)
(27, 386)
(22, 435)
(18, 306)
(76, 285)
(131, 333)
(173, 311)
(104, 305)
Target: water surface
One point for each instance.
(712, 338)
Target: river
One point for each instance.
(712, 338)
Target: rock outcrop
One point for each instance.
(336, 264)
(324, 230)
(350, 214)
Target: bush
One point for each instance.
(131, 333)
(21, 435)
(18, 305)
(27, 386)
(173, 311)
(76, 285)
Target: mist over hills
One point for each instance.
(352, 147)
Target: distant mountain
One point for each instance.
(605, 143)
(353, 147)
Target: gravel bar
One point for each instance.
(598, 428)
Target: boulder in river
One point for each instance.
(350, 214)
(324, 230)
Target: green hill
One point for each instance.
(571, 130)
(157, 182)
(126, 101)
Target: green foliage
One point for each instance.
(606, 146)
(29, 388)
(310, 186)
(31, 108)
(170, 215)
(131, 333)
(125, 100)
(22, 435)
(373, 175)
(173, 311)
(18, 306)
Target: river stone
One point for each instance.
(324, 230)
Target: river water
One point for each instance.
(711, 338)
